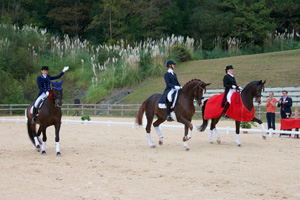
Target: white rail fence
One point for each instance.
(227, 129)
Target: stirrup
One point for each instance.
(169, 118)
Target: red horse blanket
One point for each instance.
(236, 110)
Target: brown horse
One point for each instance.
(184, 110)
(49, 114)
(252, 90)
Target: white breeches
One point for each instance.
(229, 94)
(170, 95)
(40, 98)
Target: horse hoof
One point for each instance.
(160, 142)
(58, 154)
(187, 149)
(219, 141)
(152, 146)
(38, 148)
(264, 137)
(43, 153)
(239, 145)
(211, 142)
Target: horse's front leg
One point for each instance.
(261, 126)
(57, 128)
(188, 128)
(237, 133)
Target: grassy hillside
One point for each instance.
(279, 69)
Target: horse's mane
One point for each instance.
(185, 85)
(250, 85)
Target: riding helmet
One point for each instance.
(170, 62)
(45, 68)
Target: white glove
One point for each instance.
(180, 87)
(47, 93)
(240, 88)
(177, 87)
(233, 86)
(65, 69)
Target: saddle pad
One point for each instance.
(213, 107)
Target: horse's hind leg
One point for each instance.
(237, 130)
(214, 129)
(156, 126)
(188, 128)
(57, 128)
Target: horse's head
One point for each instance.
(199, 91)
(57, 93)
(258, 89)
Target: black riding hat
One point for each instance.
(45, 68)
(229, 67)
(170, 62)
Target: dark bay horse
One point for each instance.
(184, 110)
(49, 114)
(252, 90)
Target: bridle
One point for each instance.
(198, 98)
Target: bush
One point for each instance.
(183, 54)
(85, 117)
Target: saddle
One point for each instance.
(173, 101)
(41, 104)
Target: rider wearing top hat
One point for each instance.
(230, 85)
(43, 82)
(172, 85)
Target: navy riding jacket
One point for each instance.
(171, 81)
(44, 83)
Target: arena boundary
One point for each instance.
(227, 129)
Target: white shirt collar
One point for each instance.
(230, 74)
(171, 71)
(44, 76)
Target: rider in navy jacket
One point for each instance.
(43, 82)
(172, 84)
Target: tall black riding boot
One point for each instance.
(34, 112)
(225, 110)
(169, 118)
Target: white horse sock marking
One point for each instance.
(173, 115)
(57, 146)
(190, 134)
(217, 134)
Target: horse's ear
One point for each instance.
(259, 82)
(61, 81)
(206, 84)
(264, 82)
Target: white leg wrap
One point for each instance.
(149, 140)
(160, 135)
(57, 146)
(270, 132)
(185, 144)
(190, 134)
(237, 139)
(44, 146)
(210, 135)
(217, 134)
(36, 141)
(263, 129)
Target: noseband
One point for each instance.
(197, 95)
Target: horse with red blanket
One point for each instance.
(240, 109)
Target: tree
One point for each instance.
(69, 17)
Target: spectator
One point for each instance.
(285, 103)
(271, 106)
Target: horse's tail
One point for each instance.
(29, 130)
(139, 116)
(205, 121)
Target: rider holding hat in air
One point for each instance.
(230, 85)
(172, 85)
(43, 82)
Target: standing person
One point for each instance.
(172, 85)
(230, 85)
(271, 106)
(285, 103)
(43, 82)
